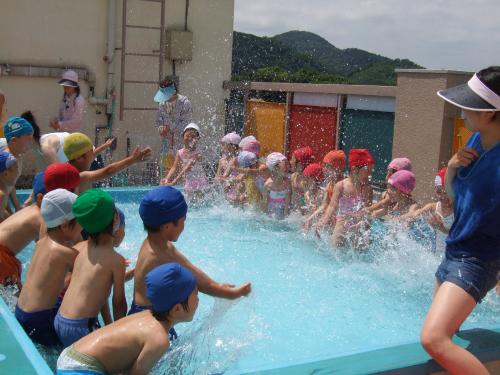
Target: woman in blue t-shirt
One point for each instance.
(471, 264)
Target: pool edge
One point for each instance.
(38, 363)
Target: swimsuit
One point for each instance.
(71, 330)
(72, 362)
(10, 267)
(195, 178)
(39, 325)
(276, 204)
(252, 193)
(61, 156)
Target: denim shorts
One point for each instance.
(474, 275)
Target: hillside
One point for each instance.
(300, 56)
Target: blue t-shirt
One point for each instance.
(476, 229)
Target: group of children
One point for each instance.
(326, 194)
(75, 265)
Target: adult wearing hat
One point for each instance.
(174, 114)
(471, 263)
(72, 106)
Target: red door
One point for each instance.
(312, 126)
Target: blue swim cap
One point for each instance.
(122, 216)
(16, 127)
(168, 285)
(161, 205)
(38, 185)
(6, 160)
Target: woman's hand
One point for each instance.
(54, 124)
(463, 157)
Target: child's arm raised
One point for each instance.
(208, 286)
(185, 170)
(137, 156)
(119, 300)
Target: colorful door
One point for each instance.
(266, 121)
(460, 135)
(312, 126)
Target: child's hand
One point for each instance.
(463, 157)
(164, 181)
(240, 291)
(141, 154)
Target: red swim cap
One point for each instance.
(314, 171)
(335, 158)
(61, 176)
(360, 157)
(304, 155)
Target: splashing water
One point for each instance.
(308, 300)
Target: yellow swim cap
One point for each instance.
(76, 144)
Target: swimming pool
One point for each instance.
(308, 303)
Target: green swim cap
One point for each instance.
(76, 144)
(94, 210)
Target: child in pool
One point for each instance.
(225, 172)
(188, 165)
(249, 192)
(163, 212)
(313, 177)
(333, 169)
(27, 225)
(52, 259)
(350, 196)
(471, 262)
(396, 165)
(134, 344)
(98, 267)
(399, 189)
(300, 159)
(8, 176)
(440, 213)
(277, 195)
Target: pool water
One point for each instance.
(309, 301)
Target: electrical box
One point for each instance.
(179, 45)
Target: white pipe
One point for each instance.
(110, 54)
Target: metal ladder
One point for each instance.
(125, 53)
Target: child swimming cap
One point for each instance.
(161, 205)
(169, 284)
(439, 181)
(56, 207)
(252, 146)
(76, 144)
(335, 158)
(61, 175)
(245, 140)
(400, 164)
(192, 126)
(404, 181)
(246, 159)
(94, 210)
(273, 159)
(231, 138)
(315, 171)
(7, 160)
(16, 127)
(360, 157)
(304, 155)
(38, 185)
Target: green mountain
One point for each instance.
(300, 56)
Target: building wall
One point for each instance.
(74, 33)
(423, 128)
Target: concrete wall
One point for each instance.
(423, 129)
(73, 33)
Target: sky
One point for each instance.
(437, 34)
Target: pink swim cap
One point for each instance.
(404, 181)
(252, 146)
(231, 138)
(400, 164)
